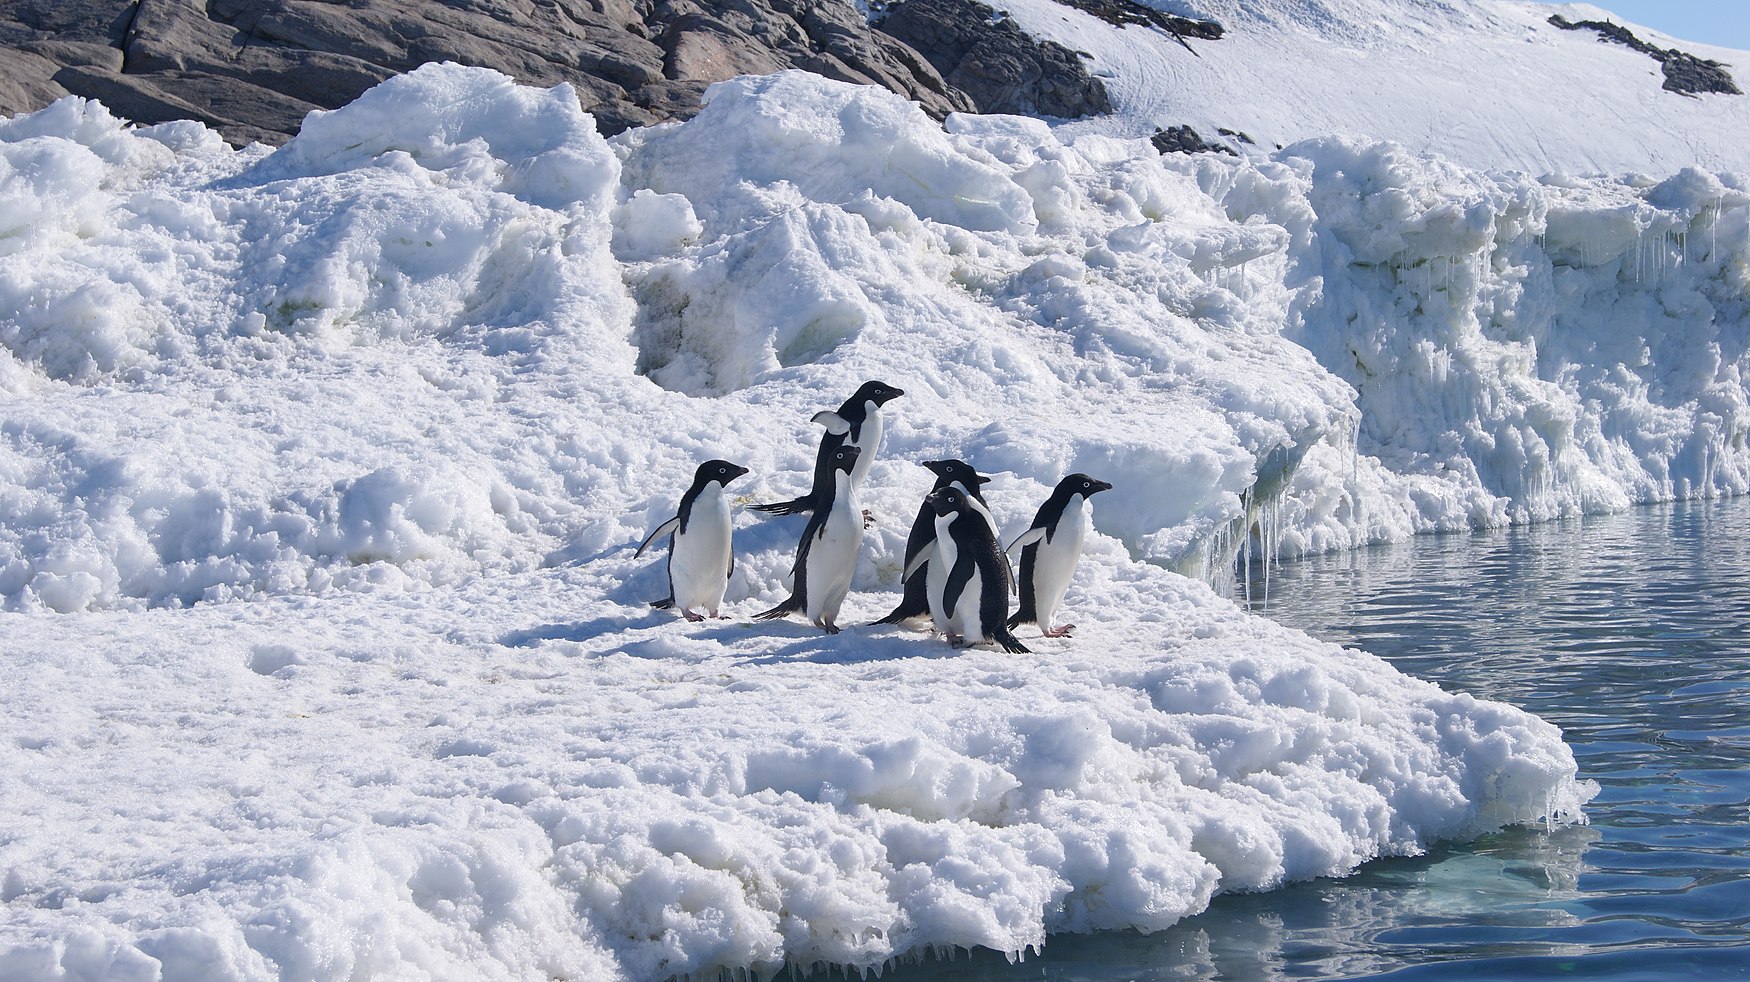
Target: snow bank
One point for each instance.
(416, 384)
(410, 344)
(526, 780)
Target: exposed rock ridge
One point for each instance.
(1003, 69)
(1684, 72)
(1124, 13)
(252, 69)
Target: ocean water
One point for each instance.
(1631, 632)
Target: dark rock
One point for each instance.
(253, 68)
(1125, 13)
(1001, 67)
(1684, 72)
(1184, 139)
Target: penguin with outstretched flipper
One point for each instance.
(701, 556)
(949, 473)
(857, 423)
(826, 557)
(1050, 550)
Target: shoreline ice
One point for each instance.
(321, 472)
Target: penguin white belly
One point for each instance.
(868, 441)
(966, 620)
(1055, 564)
(942, 556)
(698, 566)
(832, 558)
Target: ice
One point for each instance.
(322, 471)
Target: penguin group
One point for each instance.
(956, 571)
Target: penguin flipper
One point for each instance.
(661, 530)
(917, 562)
(1025, 539)
(835, 424)
(958, 577)
(1026, 612)
(795, 506)
(791, 606)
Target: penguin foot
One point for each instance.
(956, 641)
(689, 615)
(868, 519)
(827, 626)
(1058, 632)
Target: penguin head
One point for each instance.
(945, 501)
(845, 457)
(1083, 485)
(879, 393)
(721, 471)
(949, 471)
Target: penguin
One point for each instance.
(857, 423)
(968, 577)
(1050, 549)
(700, 556)
(949, 473)
(827, 555)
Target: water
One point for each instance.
(1631, 632)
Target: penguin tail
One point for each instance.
(790, 606)
(664, 604)
(1009, 642)
(904, 611)
(795, 506)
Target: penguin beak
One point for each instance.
(1100, 486)
(735, 471)
(890, 395)
(981, 479)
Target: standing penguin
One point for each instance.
(827, 555)
(968, 576)
(1050, 550)
(857, 423)
(949, 473)
(700, 555)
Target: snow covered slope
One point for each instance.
(321, 471)
(1484, 83)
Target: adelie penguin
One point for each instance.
(1049, 551)
(857, 423)
(967, 578)
(701, 557)
(949, 473)
(827, 555)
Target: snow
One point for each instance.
(1488, 84)
(322, 471)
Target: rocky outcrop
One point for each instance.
(1184, 139)
(1001, 67)
(1684, 72)
(253, 68)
